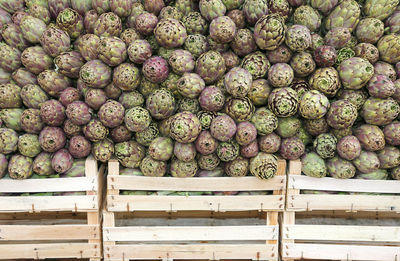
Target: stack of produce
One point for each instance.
(204, 88)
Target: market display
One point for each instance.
(200, 88)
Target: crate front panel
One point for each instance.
(89, 184)
(123, 203)
(349, 202)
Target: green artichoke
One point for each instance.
(313, 165)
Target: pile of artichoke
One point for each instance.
(200, 87)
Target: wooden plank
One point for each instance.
(196, 184)
(306, 202)
(42, 251)
(48, 203)
(288, 217)
(341, 252)
(51, 232)
(48, 185)
(113, 172)
(342, 233)
(294, 167)
(191, 203)
(93, 218)
(272, 217)
(192, 251)
(190, 233)
(349, 185)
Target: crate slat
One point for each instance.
(192, 203)
(199, 251)
(341, 252)
(191, 233)
(49, 185)
(52, 232)
(195, 184)
(29, 223)
(41, 251)
(342, 233)
(48, 203)
(310, 202)
(339, 242)
(348, 185)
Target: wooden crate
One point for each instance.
(375, 240)
(195, 236)
(321, 239)
(356, 202)
(121, 203)
(197, 241)
(41, 227)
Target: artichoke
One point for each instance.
(103, 150)
(153, 168)
(313, 105)
(185, 127)
(161, 148)
(280, 75)
(238, 167)
(206, 143)
(246, 133)
(240, 109)
(223, 128)
(269, 143)
(380, 111)
(298, 38)
(20, 167)
(264, 120)
(380, 86)
(292, 148)
(183, 169)
(28, 145)
(379, 9)
(340, 169)
(264, 165)
(129, 153)
(389, 157)
(371, 137)
(367, 162)
(185, 151)
(269, 31)
(392, 133)
(313, 165)
(8, 141)
(228, 151)
(288, 127)
(283, 102)
(208, 162)
(342, 114)
(349, 147)
(389, 46)
(325, 145)
(346, 14)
